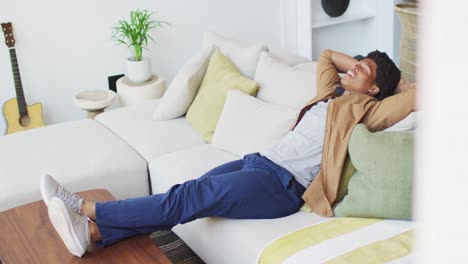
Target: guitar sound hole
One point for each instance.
(25, 121)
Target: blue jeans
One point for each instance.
(251, 188)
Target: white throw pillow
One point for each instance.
(243, 54)
(280, 83)
(286, 56)
(408, 124)
(184, 86)
(249, 125)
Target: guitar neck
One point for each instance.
(22, 106)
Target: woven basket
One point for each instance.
(408, 18)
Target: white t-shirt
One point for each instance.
(300, 150)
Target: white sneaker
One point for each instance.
(72, 228)
(51, 188)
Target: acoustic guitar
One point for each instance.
(19, 115)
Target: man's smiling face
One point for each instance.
(361, 78)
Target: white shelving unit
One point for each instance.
(345, 18)
(365, 26)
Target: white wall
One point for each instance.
(442, 141)
(64, 46)
(366, 25)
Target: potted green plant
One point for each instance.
(134, 33)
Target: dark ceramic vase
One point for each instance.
(335, 8)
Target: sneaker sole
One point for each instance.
(62, 223)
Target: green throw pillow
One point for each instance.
(220, 77)
(382, 184)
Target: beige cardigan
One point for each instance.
(343, 114)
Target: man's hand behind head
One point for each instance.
(404, 85)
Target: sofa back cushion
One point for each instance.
(381, 187)
(408, 124)
(249, 125)
(184, 87)
(283, 84)
(220, 77)
(286, 56)
(242, 53)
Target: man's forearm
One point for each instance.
(342, 61)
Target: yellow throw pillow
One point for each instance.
(220, 77)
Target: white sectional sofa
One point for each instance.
(128, 153)
(83, 154)
(171, 162)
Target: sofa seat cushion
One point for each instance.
(244, 240)
(81, 154)
(148, 137)
(240, 240)
(188, 164)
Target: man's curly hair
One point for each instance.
(388, 75)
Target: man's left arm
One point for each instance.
(391, 110)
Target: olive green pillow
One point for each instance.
(220, 77)
(381, 187)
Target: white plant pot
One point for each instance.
(139, 71)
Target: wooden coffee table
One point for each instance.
(27, 236)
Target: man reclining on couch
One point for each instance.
(306, 164)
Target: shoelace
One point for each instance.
(69, 198)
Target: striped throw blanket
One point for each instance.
(344, 240)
